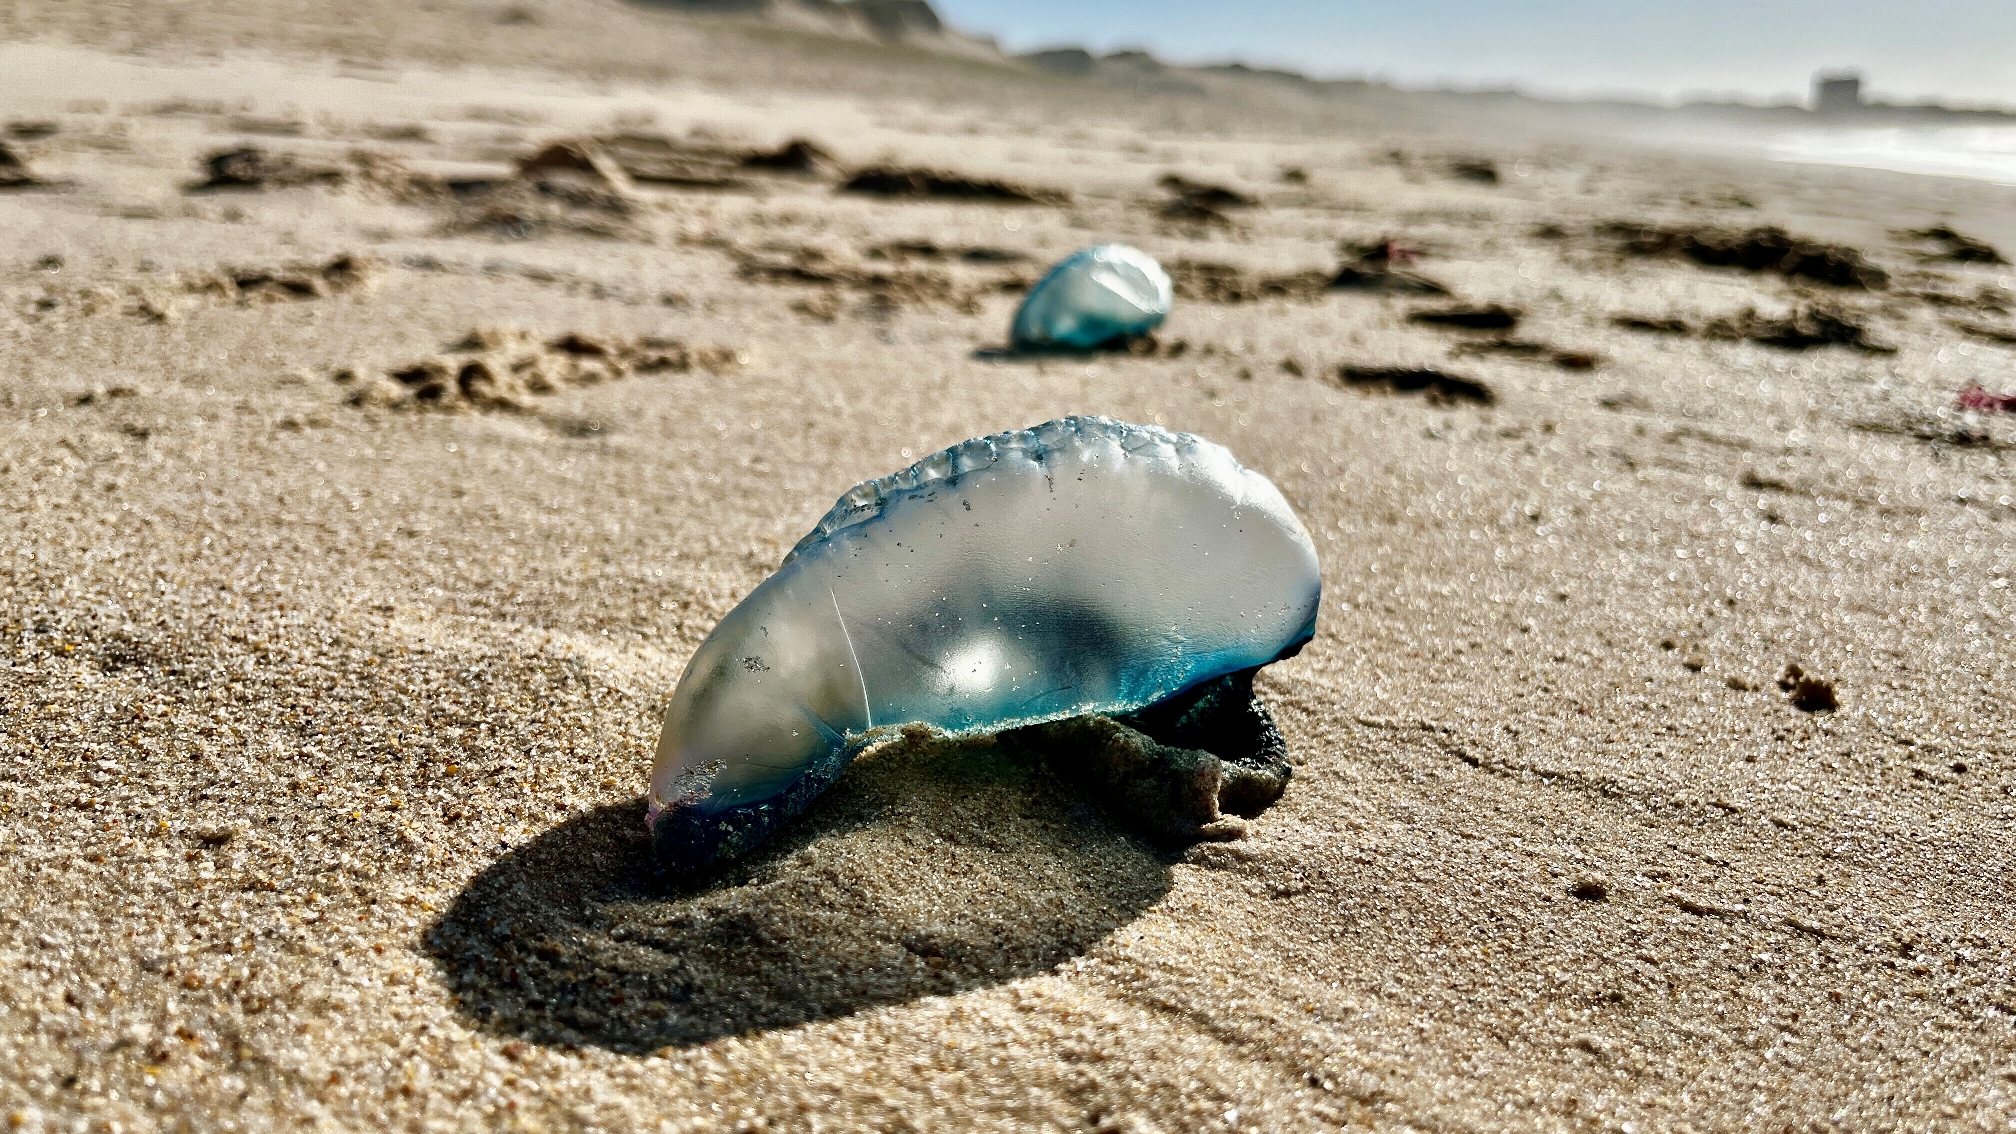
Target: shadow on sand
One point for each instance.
(932, 867)
(1136, 346)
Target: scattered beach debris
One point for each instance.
(1500, 320)
(1294, 175)
(1382, 267)
(1377, 267)
(575, 161)
(1652, 325)
(795, 156)
(1095, 298)
(1807, 692)
(704, 163)
(1755, 250)
(1938, 430)
(566, 186)
(1208, 282)
(1441, 388)
(32, 130)
(1754, 479)
(1491, 318)
(250, 168)
(14, 173)
(900, 250)
(1481, 170)
(1981, 400)
(1529, 349)
(1198, 201)
(1190, 212)
(1805, 328)
(888, 181)
(503, 368)
(737, 757)
(100, 395)
(1953, 246)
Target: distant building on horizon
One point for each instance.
(1837, 92)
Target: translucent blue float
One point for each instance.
(1094, 298)
(1082, 566)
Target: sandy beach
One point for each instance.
(365, 494)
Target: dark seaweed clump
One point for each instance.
(1382, 266)
(1807, 692)
(655, 159)
(884, 181)
(1480, 170)
(1803, 329)
(1224, 283)
(1491, 318)
(252, 168)
(1439, 387)
(1200, 202)
(1215, 196)
(1652, 325)
(795, 156)
(1956, 247)
(14, 172)
(1529, 349)
(1756, 250)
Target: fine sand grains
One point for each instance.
(1652, 764)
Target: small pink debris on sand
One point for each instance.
(1976, 398)
(1398, 253)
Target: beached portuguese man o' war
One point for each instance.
(1084, 566)
(1097, 297)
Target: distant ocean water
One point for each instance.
(1984, 153)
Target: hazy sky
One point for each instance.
(1959, 49)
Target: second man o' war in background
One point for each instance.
(1096, 297)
